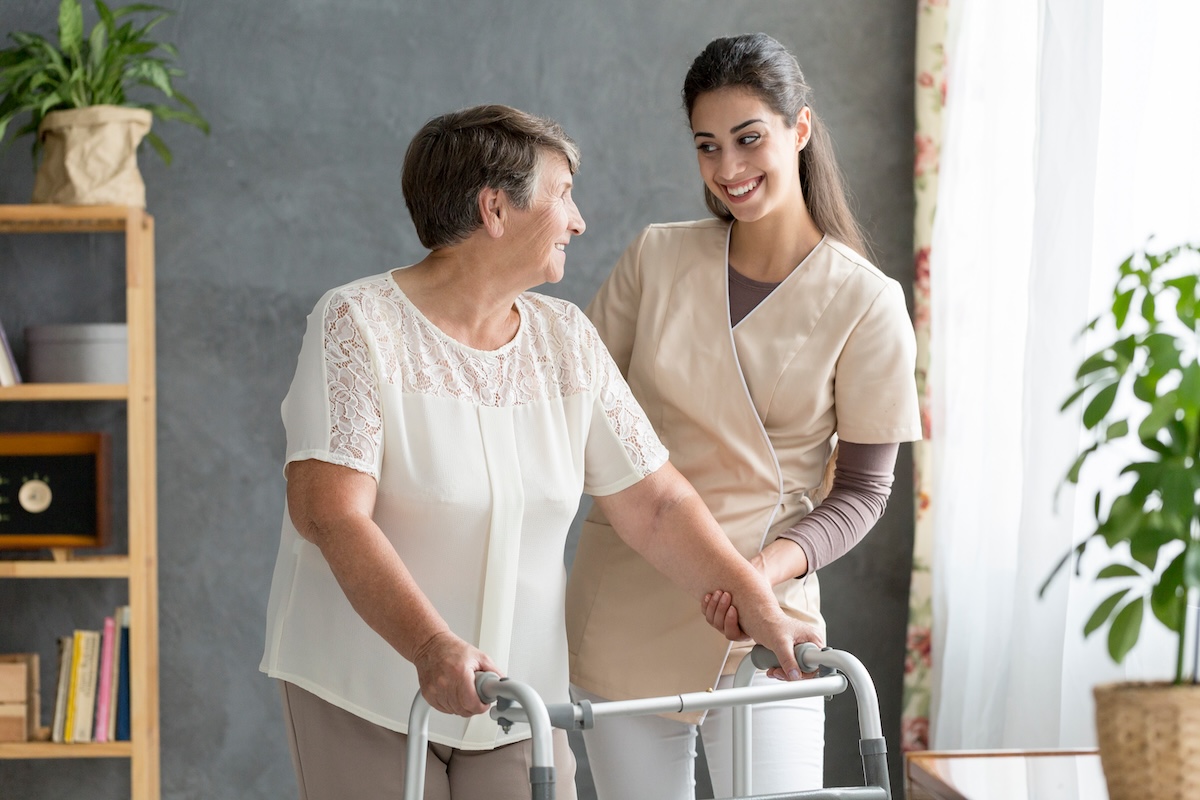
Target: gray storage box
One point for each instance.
(93, 353)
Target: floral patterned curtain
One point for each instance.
(930, 98)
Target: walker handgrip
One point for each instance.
(482, 679)
(764, 658)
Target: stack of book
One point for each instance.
(19, 697)
(9, 374)
(92, 699)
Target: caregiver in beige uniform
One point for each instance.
(753, 341)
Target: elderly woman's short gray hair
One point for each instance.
(455, 156)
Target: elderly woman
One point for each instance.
(441, 426)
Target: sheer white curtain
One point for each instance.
(1072, 134)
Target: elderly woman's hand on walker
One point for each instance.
(446, 667)
(719, 609)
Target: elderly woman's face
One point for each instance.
(542, 232)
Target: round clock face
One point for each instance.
(34, 496)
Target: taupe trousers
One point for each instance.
(340, 756)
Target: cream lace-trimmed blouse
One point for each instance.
(480, 459)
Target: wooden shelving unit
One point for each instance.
(139, 565)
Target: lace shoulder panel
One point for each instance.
(625, 416)
(546, 360)
(356, 427)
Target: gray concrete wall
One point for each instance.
(296, 190)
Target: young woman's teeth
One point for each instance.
(741, 190)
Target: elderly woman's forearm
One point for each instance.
(383, 592)
(379, 587)
(665, 521)
(331, 507)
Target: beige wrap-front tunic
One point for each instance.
(748, 415)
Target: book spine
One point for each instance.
(35, 696)
(73, 687)
(66, 647)
(118, 668)
(85, 699)
(123, 689)
(104, 689)
(10, 374)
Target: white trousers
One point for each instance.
(655, 758)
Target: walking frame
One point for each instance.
(517, 702)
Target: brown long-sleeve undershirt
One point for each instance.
(862, 483)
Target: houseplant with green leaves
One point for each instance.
(1140, 399)
(112, 80)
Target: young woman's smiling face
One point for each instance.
(749, 156)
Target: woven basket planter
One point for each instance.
(1149, 736)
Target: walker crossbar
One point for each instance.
(843, 793)
(582, 715)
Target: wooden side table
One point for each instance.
(1004, 775)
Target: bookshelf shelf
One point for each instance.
(67, 219)
(64, 391)
(138, 566)
(53, 750)
(89, 567)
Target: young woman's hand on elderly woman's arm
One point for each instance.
(331, 507)
(663, 519)
(861, 486)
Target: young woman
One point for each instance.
(754, 341)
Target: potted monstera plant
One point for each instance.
(87, 101)
(1140, 395)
